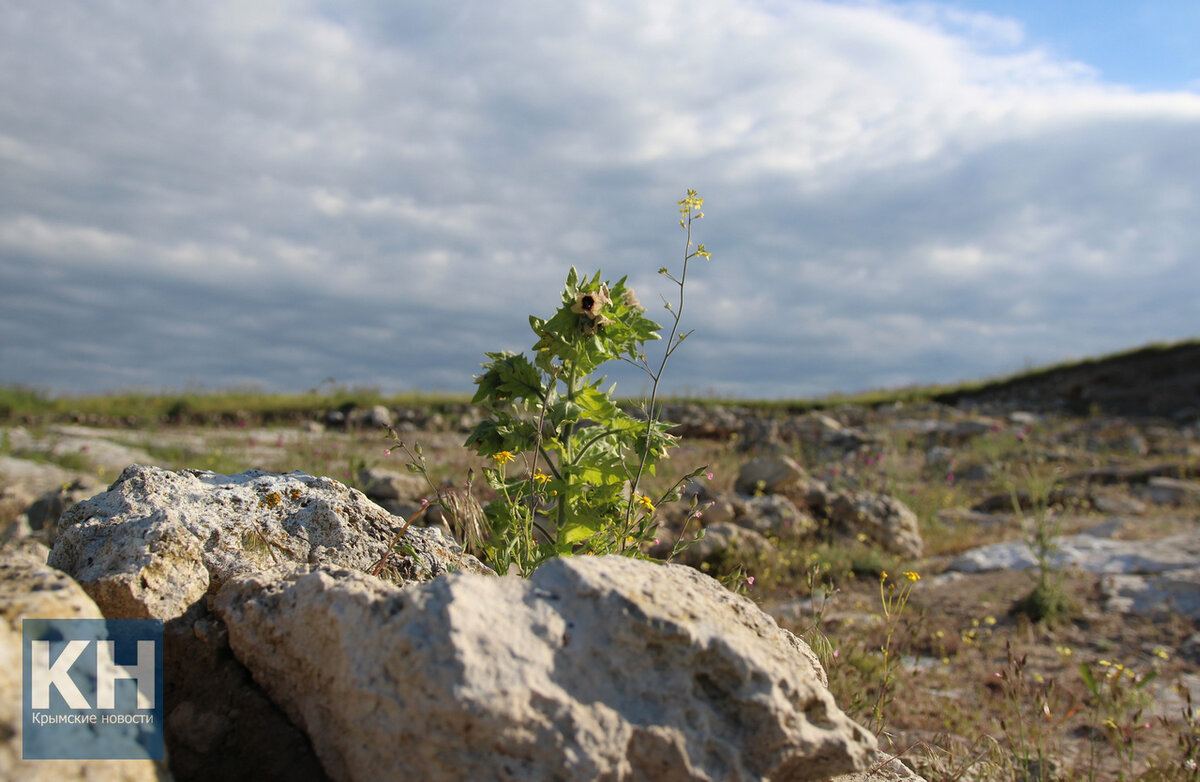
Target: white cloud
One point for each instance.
(893, 192)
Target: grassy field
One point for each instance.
(223, 407)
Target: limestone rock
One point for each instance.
(158, 541)
(1089, 553)
(1118, 505)
(94, 446)
(1163, 490)
(45, 511)
(724, 544)
(892, 770)
(593, 668)
(390, 485)
(373, 417)
(773, 514)
(768, 475)
(29, 588)
(14, 521)
(35, 476)
(883, 519)
(1169, 593)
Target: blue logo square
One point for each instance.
(92, 689)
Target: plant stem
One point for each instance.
(651, 409)
(567, 454)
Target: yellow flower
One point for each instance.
(644, 501)
(912, 576)
(503, 458)
(541, 478)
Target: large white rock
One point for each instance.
(1089, 553)
(158, 541)
(593, 668)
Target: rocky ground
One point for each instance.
(806, 513)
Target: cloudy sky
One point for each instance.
(219, 194)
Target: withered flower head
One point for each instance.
(598, 322)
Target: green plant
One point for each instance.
(1118, 699)
(1034, 712)
(894, 602)
(1047, 602)
(584, 457)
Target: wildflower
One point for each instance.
(1064, 651)
(503, 458)
(630, 299)
(709, 476)
(590, 303)
(644, 501)
(989, 620)
(1162, 653)
(913, 577)
(750, 580)
(541, 478)
(882, 576)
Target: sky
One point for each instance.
(271, 195)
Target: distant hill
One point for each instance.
(1156, 380)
